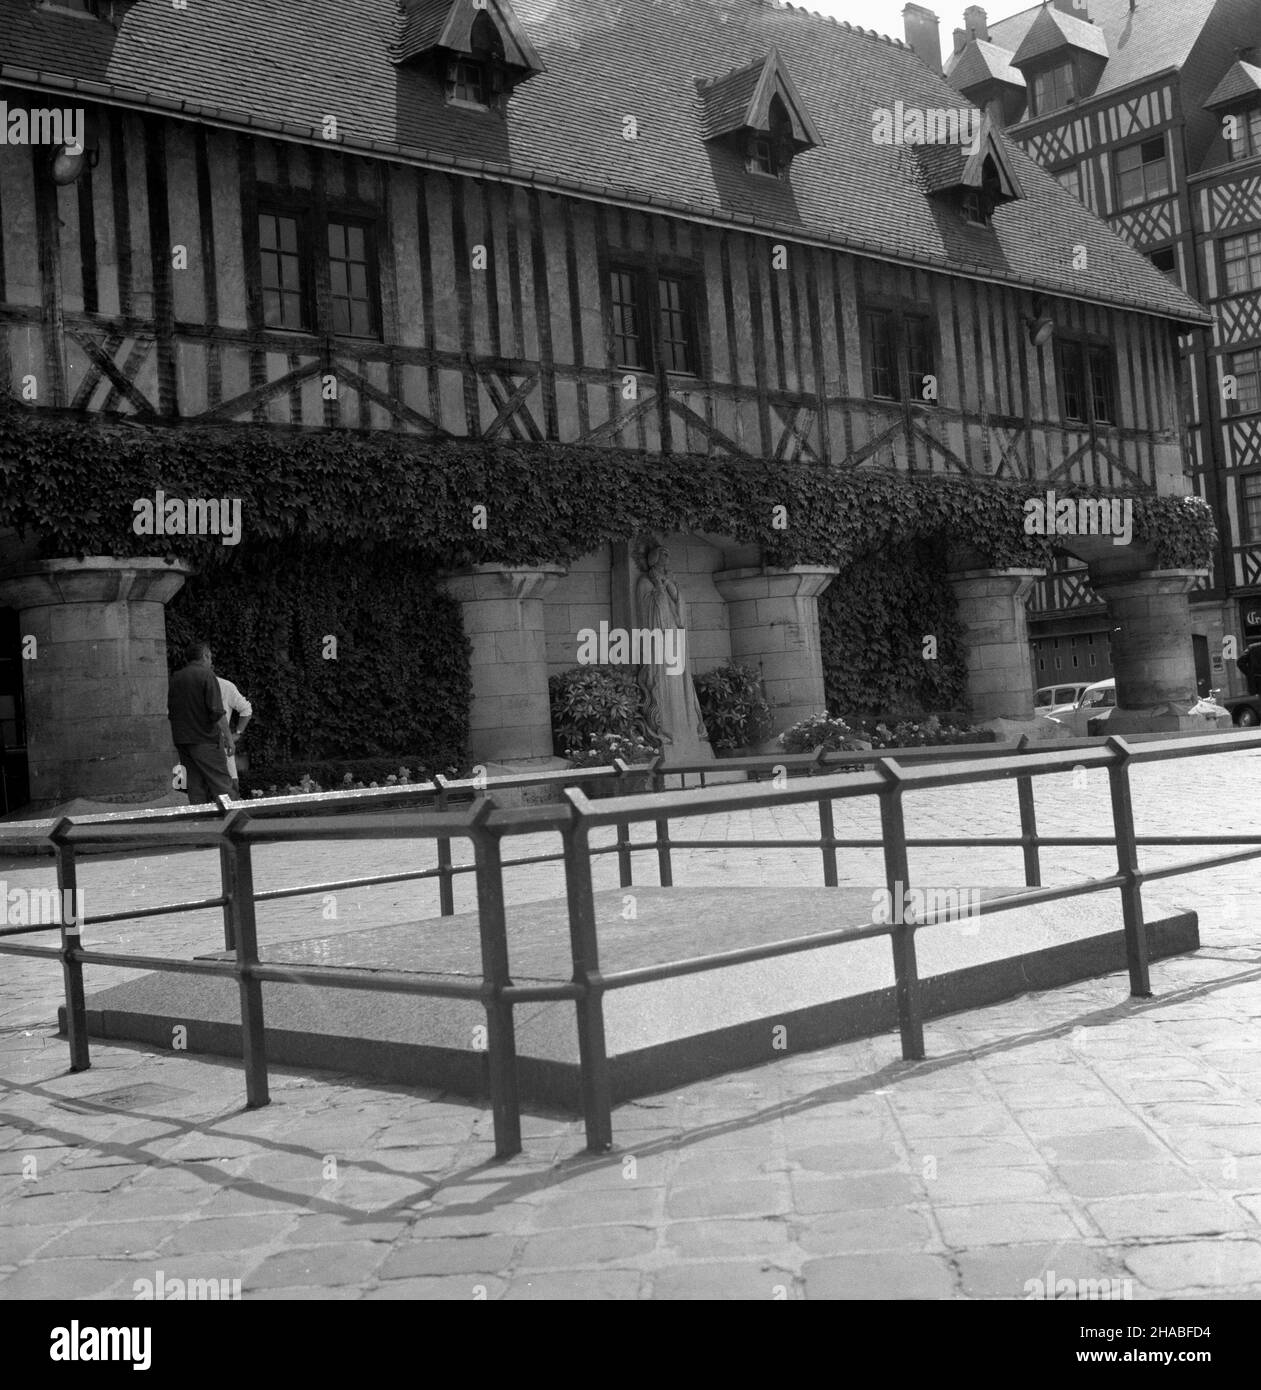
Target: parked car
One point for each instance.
(1094, 704)
(1050, 699)
(1245, 710)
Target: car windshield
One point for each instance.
(1098, 697)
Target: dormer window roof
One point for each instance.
(759, 110)
(479, 48)
(1056, 35)
(983, 63)
(975, 183)
(1240, 88)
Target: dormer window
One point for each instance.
(974, 184)
(757, 113)
(1052, 89)
(1246, 140)
(476, 48)
(1236, 100)
(976, 208)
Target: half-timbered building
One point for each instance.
(1150, 113)
(672, 227)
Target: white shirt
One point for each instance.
(233, 703)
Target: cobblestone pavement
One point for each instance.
(1065, 1136)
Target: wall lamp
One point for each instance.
(1040, 324)
(70, 161)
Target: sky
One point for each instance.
(885, 16)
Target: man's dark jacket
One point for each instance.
(193, 705)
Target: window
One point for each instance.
(351, 278)
(772, 152)
(1250, 492)
(973, 205)
(477, 78)
(1164, 260)
(761, 156)
(1052, 88)
(1245, 367)
(285, 298)
(1247, 139)
(1142, 172)
(900, 355)
(1070, 178)
(1241, 262)
(1087, 375)
(653, 320)
(288, 240)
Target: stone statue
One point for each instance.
(673, 710)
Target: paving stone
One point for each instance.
(489, 1254)
(747, 1280)
(1008, 1271)
(67, 1279)
(310, 1294)
(883, 1190)
(328, 1228)
(1004, 1223)
(722, 1240)
(873, 1156)
(346, 1262)
(456, 1288)
(1220, 1264)
(229, 1233)
(841, 1233)
(765, 1197)
(587, 1286)
(1177, 1214)
(982, 1121)
(889, 1277)
(107, 1240)
(612, 1206)
(586, 1245)
(1092, 1145)
(956, 1184)
(19, 1243)
(1112, 1179)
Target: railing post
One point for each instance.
(624, 870)
(446, 891)
(827, 841)
(241, 885)
(906, 973)
(227, 876)
(71, 940)
(597, 1104)
(1028, 823)
(1127, 864)
(501, 1042)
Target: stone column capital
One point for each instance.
(489, 582)
(766, 581)
(94, 579)
(995, 583)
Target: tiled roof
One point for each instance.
(423, 22)
(725, 100)
(1148, 38)
(254, 61)
(741, 101)
(982, 62)
(1052, 31)
(1241, 81)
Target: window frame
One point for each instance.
(315, 262)
(1119, 174)
(1249, 137)
(1251, 240)
(1086, 366)
(1064, 66)
(1250, 521)
(908, 385)
(1074, 168)
(1253, 374)
(646, 278)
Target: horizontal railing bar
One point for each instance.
(1192, 866)
(163, 836)
(165, 909)
(34, 927)
(127, 961)
(423, 825)
(340, 885)
(13, 949)
(539, 994)
(375, 981)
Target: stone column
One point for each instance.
(1153, 658)
(95, 690)
(774, 621)
(991, 605)
(510, 719)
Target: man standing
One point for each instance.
(199, 726)
(234, 703)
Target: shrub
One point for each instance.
(336, 775)
(926, 733)
(589, 701)
(735, 710)
(835, 735)
(603, 748)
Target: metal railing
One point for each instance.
(235, 829)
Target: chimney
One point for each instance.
(961, 40)
(974, 21)
(922, 35)
(1077, 10)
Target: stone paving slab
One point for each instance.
(1072, 1136)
